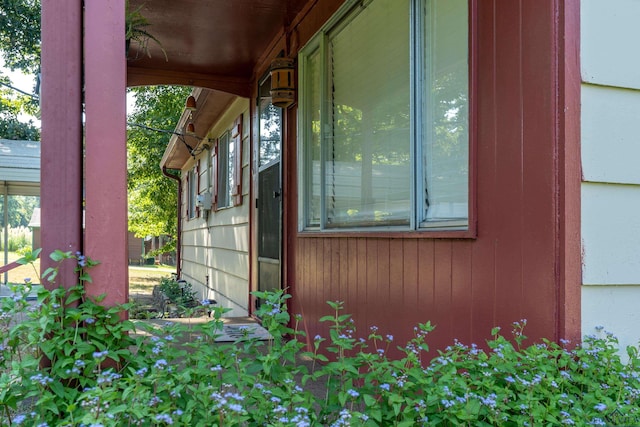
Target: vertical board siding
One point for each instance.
(508, 273)
(509, 167)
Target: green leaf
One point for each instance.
(369, 400)
(50, 274)
(57, 388)
(58, 255)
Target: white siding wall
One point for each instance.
(215, 246)
(611, 173)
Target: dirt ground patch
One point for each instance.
(141, 283)
(143, 279)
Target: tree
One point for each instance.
(20, 34)
(152, 196)
(20, 210)
(20, 50)
(11, 127)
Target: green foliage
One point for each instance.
(20, 210)
(101, 372)
(18, 239)
(11, 105)
(179, 293)
(135, 30)
(20, 49)
(20, 34)
(152, 196)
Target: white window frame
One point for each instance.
(418, 102)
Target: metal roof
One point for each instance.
(20, 167)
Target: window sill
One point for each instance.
(392, 234)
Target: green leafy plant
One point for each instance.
(180, 293)
(67, 361)
(135, 30)
(17, 238)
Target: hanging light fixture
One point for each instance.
(191, 103)
(190, 129)
(282, 82)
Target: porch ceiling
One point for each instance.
(208, 43)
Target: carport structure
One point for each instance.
(19, 176)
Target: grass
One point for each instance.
(142, 279)
(18, 274)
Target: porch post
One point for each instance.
(105, 148)
(61, 137)
(569, 173)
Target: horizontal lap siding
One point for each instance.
(466, 286)
(611, 176)
(215, 245)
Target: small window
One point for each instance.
(192, 183)
(226, 161)
(385, 118)
(226, 164)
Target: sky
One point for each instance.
(25, 83)
(19, 80)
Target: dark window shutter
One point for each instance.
(214, 175)
(236, 135)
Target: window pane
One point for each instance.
(193, 191)
(367, 166)
(223, 171)
(312, 135)
(270, 126)
(231, 167)
(446, 133)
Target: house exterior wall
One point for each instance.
(215, 244)
(135, 248)
(513, 268)
(611, 177)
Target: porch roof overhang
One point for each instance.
(214, 45)
(20, 167)
(211, 105)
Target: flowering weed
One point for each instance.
(72, 362)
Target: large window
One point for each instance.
(384, 118)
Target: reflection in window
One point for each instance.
(270, 131)
(385, 136)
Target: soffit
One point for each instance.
(208, 43)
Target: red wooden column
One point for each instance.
(105, 148)
(61, 159)
(569, 212)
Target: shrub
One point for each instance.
(73, 362)
(180, 293)
(17, 238)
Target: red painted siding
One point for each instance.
(514, 268)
